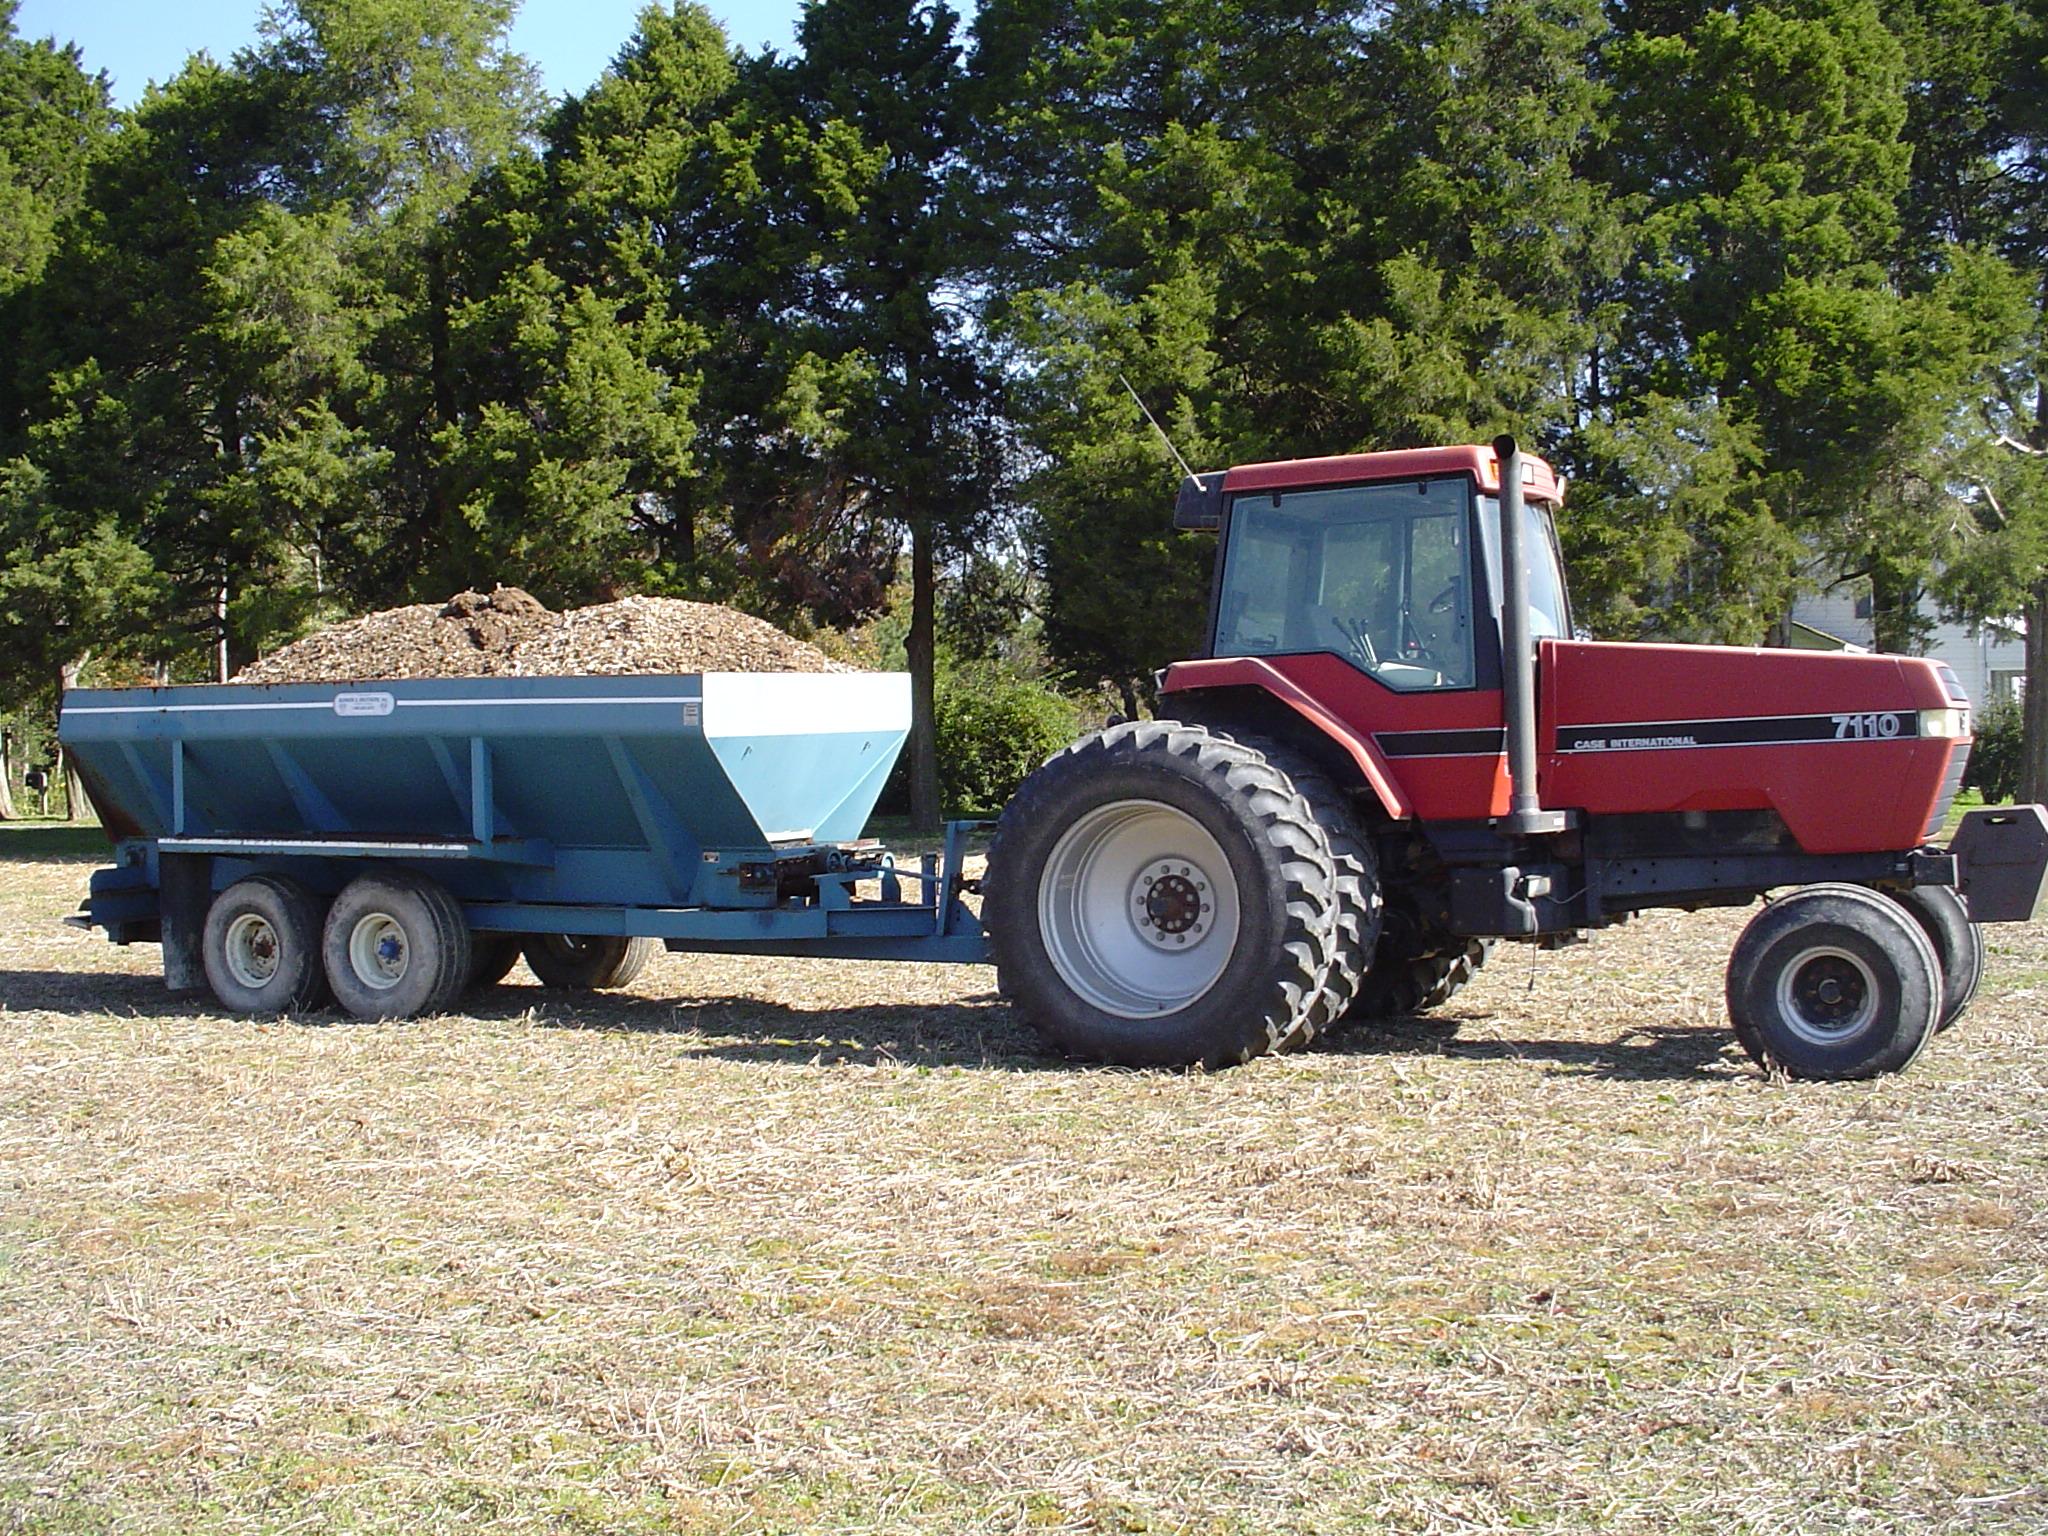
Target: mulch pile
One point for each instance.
(510, 633)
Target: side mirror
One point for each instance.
(1199, 506)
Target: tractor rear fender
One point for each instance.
(1246, 684)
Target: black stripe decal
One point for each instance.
(1757, 731)
(1487, 742)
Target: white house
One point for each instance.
(1990, 661)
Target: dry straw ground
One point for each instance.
(797, 1247)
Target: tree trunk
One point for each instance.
(441, 515)
(2034, 711)
(220, 629)
(1895, 625)
(682, 536)
(921, 648)
(1127, 691)
(67, 775)
(7, 812)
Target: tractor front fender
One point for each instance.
(1249, 676)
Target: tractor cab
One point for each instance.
(1390, 561)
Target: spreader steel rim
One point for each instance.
(1827, 994)
(1138, 909)
(378, 952)
(251, 949)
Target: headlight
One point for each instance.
(1950, 723)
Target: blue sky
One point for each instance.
(137, 41)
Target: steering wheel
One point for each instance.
(1413, 650)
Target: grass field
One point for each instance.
(782, 1246)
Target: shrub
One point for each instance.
(1996, 758)
(993, 729)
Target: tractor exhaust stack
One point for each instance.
(1518, 680)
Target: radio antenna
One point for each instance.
(1183, 463)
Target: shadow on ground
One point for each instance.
(973, 1031)
(1641, 1053)
(48, 842)
(976, 1031)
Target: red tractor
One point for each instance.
(1394, 752)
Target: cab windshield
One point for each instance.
(1549, 615)
(1377, 574)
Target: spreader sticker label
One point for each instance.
(1751, 731)
(362, 705)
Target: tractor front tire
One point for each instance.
(574, 962)
(1833, 982)
(1157, 896)
(1958, 944)
(396, 946)
(262, 947)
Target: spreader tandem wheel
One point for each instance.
(1161, 896)
(577, 962)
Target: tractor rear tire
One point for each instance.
(396, 946)
(1158, 895)
(1958, 944)
(1833, 982)
(573, 962)
(491, 958)
(1416, 966)
(261, 947)
(1359, 903)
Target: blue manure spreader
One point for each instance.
(390, 844)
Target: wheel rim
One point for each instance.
(252, 951)
(569, 946)
(378, 952)
(1138, 909)
(1826, 995)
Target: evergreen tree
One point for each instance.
(69, 579)
(2002, 573)
(411, 102)
(906, 409)
(1324, 230)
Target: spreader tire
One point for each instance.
(1356, 888)
(1416, 966)
(1833, 982)
(1958, 944)
(262, 947)
(491, 958)
(573, 962)
(1158, 895)
(396, 946)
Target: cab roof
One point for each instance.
(1539, 481)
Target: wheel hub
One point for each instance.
(377, 951)
(1171, 902)
(1826, 993)
(252, 950)
(1138, 908)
